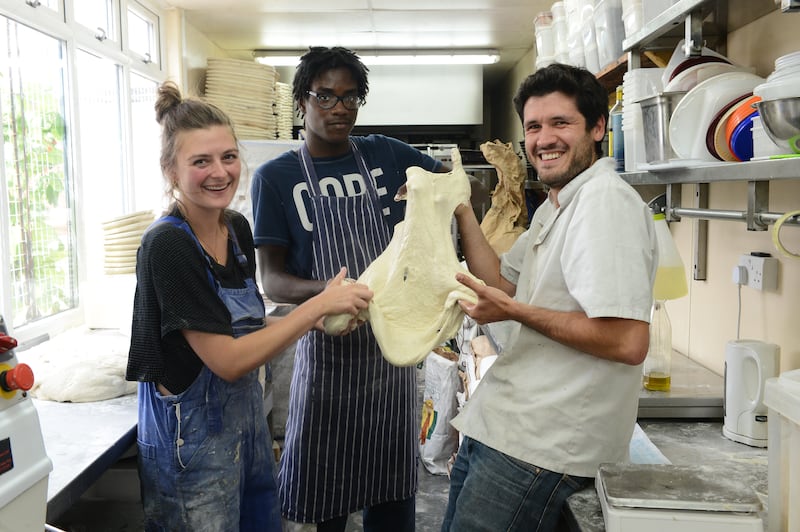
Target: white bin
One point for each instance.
(782, 398)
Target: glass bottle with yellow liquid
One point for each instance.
(670, 283)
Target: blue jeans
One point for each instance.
(492, 492)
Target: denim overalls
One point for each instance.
(205, 455)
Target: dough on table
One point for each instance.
(80, 366)
(415, 306)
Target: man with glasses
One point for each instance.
(351, 429)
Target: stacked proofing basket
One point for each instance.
(121, 240)
(108, 299)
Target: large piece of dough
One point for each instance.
(80, 366)
(415, 308)
(508, 215)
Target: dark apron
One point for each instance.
(350, 434)
(205, 455)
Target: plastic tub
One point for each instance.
(782, 398)
(575, 52)
(640, 83)
(560, 29)
(589, 39)
(632, 18)
(634, 140)
(609, 31)
(543, 29)
(573, 9)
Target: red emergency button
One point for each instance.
(19, 377)
(7, 343)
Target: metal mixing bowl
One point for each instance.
(781, 121)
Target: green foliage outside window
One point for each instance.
(40, 220)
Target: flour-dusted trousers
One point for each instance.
(350, 434)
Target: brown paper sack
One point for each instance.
(507, 216)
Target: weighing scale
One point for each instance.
(670, 498)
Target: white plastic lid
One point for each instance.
(782, 394)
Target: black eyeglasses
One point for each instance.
(328, 101)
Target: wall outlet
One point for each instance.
(762, 272)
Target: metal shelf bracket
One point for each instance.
(700, 254)
(693, 37)
(757, 202)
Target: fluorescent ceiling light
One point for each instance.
(393, 57)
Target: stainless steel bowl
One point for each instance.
(781, 120)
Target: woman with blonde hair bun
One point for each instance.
(200, 334)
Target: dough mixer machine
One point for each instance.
(24, 465)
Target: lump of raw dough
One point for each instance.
(79, 366)
(415, 306)
(508, 215)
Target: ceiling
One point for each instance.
(241, 26)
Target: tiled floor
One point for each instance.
(112, 505)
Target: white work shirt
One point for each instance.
(545, 403)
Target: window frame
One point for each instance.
(76, 37)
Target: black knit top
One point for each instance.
(173, 293)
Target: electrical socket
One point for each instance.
(762, 272)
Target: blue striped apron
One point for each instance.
(350, 434)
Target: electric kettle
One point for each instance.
(748, 364)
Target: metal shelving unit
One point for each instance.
(764, 170)
(697, 22)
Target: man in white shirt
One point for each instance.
(577, 286)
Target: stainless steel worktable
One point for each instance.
(83, 440)
(695, 392)
(683, 442)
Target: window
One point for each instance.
(102, 170)
(53, 9)
(41, 280)
(80, 146)
(99, 16)
(145, 146)
(143, 33)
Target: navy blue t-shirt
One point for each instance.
(282, 207)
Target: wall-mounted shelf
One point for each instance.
(610, 77)
(707, 23)
(767, 170)
(715, 18)
(757, 175)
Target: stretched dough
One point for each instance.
(415, 308)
